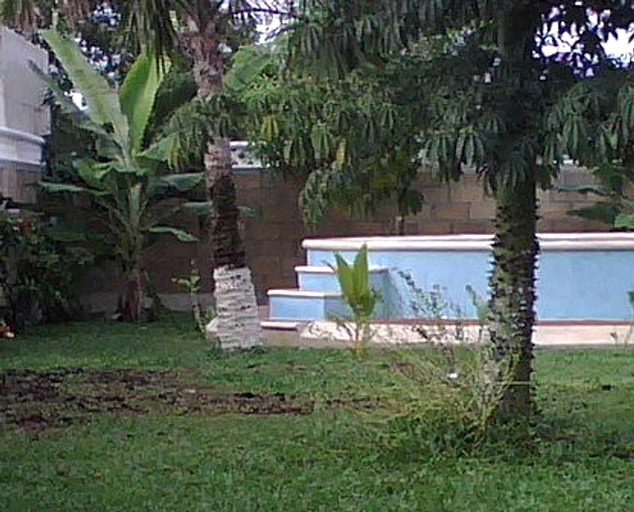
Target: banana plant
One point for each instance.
(127, 184)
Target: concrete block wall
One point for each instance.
(273, 236)
(465, 208)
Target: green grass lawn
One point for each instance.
(327, 460)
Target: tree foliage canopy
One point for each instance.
(377, 88)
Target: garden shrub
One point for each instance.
(37, 272)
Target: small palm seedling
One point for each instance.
(354, 281)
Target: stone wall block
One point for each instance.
(483, 209)
(452, 211)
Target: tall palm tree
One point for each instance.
(201, 28)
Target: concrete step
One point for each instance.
(288, 305)
(306, 305)
(323, 278)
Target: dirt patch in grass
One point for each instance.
(35, 400)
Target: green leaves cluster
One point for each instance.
(615, 205)
(594, 121)
(361, 298)
(350, 139)
(354, 281)
(125, 178)
(37, 271)
(487, 100)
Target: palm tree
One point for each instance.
(201, 28)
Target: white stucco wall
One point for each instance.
(23, 119)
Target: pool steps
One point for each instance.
(318, 296)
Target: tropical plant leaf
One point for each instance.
(200, 208)
(182, 182)
(138, 93)
(355, 284)
(249, 63)
(68, 107)
(159, 211)
(189, 127)
(91, 172)
(63, 187)
(20, 13)
(344, 276)
(66, 235)
(604, 212)
(599, 190)
(180, 234)
(102, 100)
(77, 116)
(161, 150)
(360, 272)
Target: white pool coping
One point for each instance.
(548, 242)
(302, 294)
(315, 269)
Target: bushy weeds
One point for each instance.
(442, 398)
(447, 386)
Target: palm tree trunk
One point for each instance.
(512, 281)
(228, 249)
(237, 323)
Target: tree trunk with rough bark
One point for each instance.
(236, 325)
(515, 246)
(512, 281)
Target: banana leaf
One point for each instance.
(161, 150)
(182, 182)
(75, 189)
(180, 234)
(361, 276)
(102, 100)
(199, 208)
(91, 172)
(138, 93)
(345, 277)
